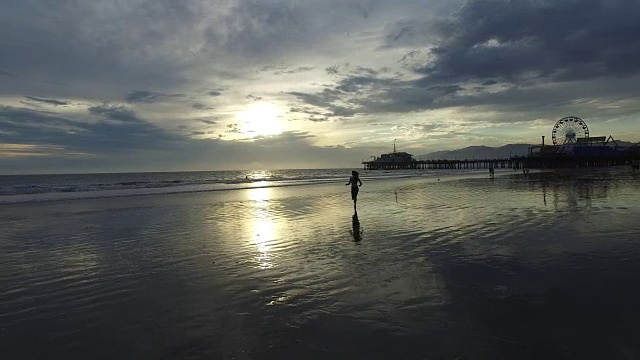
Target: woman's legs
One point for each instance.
(354, 196)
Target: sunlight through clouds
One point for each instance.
(261, 119)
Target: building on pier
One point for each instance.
(393, 160)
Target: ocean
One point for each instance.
(39, 188)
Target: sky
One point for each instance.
(171, 85)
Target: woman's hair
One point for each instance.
(354, 173)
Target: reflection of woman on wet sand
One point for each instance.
(357, 233)
(354, 180)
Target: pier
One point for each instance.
(505, 163)
(572, 147)
(530, 162)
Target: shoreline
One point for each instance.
(218, 187)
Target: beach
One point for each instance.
(522, 266)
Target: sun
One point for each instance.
(261, 119)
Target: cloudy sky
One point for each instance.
(152, 85)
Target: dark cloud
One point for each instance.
(312, 115)
(113, 45)
(141, 96)
(233, 128)
(47, 101)
(4, 73)
(115, 112)
(342, 112)
(510, 104)
(252, 27)
(333, 70)
(302, 69)
(254, 98)
(323, 99)
(373, 94)
(329, 100)
(516, 104)
(297, 70)
(370, 91)
(200, 106)
(314, 118)
(269, 30)
(272, 68)
(365, 71)
(209, 122)
(32, 104)
(214, 93)
(305, 110)
(25, 126)
(357, 83)
(516, 44)
(284, 69)
(520, 40)
(20, 122)
(364, 8)
(401, 30)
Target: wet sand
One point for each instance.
(517, 267)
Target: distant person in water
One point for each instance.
(354, 180)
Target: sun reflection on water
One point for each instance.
(259, 175)
(260, 196)
(264, 228)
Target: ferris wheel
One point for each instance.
(568, 129)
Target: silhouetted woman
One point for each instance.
(354, 180)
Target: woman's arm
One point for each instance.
(360, 181)
(349, 181)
